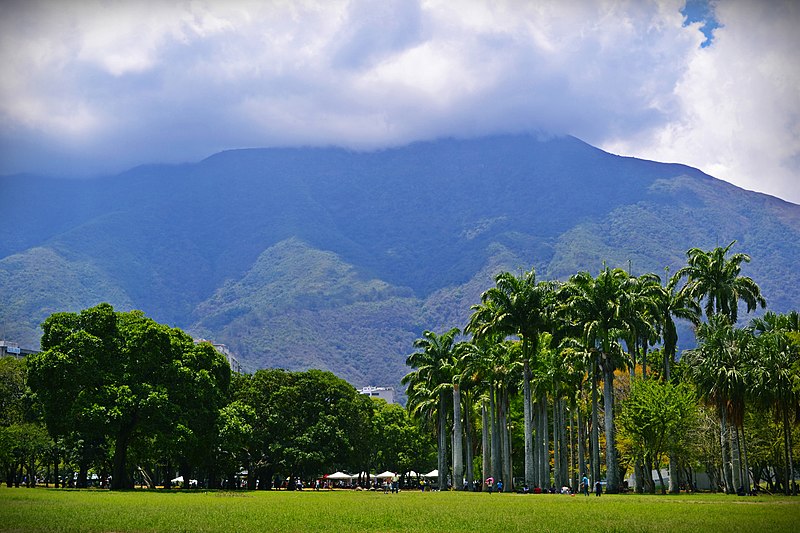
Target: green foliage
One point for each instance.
(12, 390)
(400, 445)
(103, 374)
(656, 418)
(713, 277)
(298, 423)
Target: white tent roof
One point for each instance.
(179, 479)
(386, 474)
(339, 475)
(432, 473)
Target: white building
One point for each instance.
(384, 393)
(13, 349)
(233, 361)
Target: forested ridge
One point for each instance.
(334, 259)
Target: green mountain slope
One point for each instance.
(321, 257)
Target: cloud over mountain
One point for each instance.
(97, 86)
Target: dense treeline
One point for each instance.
(119, 399)
(560, 380)
(549, 382)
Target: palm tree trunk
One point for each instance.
(562, 445)
(572, 477)
(566, 464)
(595, 434)
(736, 453)
(544, 451)
(723, 441)
(458, 439)
(442, 441)
(581, 445)
(745, 464)
(506, 444)
(469, 427)
(787, 450)
(537, 463)
(612, 468)
(556, 450)
(486, 458)
(529, 464)
(495, 436)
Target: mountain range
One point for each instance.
(338, 259)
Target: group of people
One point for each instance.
(598, 487)
(390, 485)
(490, 484)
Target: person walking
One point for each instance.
(585, 485)
(598, 489)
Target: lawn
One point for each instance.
(41, 509)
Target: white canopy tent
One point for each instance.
(432, 473)
(339, 476)
(179, 479)
(386, 474)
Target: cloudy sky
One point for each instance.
(92, 87)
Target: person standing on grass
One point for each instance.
(598, 489)
(585, 485)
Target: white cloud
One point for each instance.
(738, 114)
(107, 85)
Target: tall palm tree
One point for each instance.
(720, 367)
(672, 303)
(476, 360)
(598, 306)
(517, 305)
(712, 277)
(776, 376)
(431, 379)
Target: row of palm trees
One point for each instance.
(739, 368)
(556, 343)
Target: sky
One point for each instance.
(96, 87)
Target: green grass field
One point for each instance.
(41, 509)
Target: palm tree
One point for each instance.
(517, 305)
(577, 362)
(429, 382)
(720, 368)
(776, 376)
(670, 304)
(715, 278)
(477, 360)
(598, 306)
(641, 315)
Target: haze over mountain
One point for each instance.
(328, 258)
